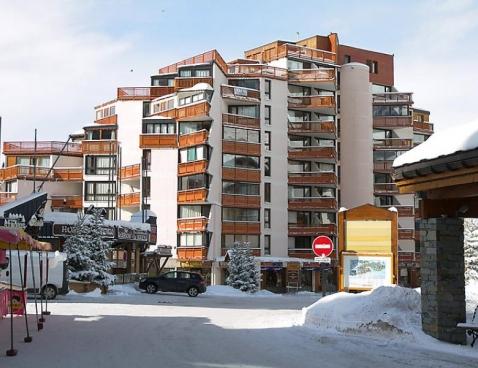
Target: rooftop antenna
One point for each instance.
(298, 35)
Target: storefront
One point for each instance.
(273, 277)
(201, 267)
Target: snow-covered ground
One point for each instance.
(127, 328)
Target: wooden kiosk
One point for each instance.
(367, 248)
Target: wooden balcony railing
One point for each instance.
(188, 82)
(383, 166)
(313, 127)
(406, 234)
(256, 70)
(247, 175)
(129, 199)
(68, 173)
(130, 171)
(423, 127)
(312, 75)
(100, 147)
(241, 201)
(241, 148)
(236, 227)
(392, 143)
(311, 178)
(240, 93)
(42, 147)
(67, 201)
(109, 120)
(312, 203)
(206, 57)
(297, 153)
(311, 230)
(385, 188)
(158, 141)
(392, 121)
(193, 139)
(28, 172)
(195, 167)
(199, 109)
(192, 253)
(311, 102)
(192, 195)
(298, 52)
(192, 224)
(240, 120)
(6, 197)
(143, 93)
(404, 211)
(392, 98)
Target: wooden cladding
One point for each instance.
(392, 143)
(312, 203)
(192, 195)
(109, 120)
(188, 82)
(158, 141)
(311, 230)
(199, 109)
(28, 172)
(301, 253)
(383, 166)
(312, 153)
(312, 178)
(232, 227)
(192, 224)
(129, 199)
(241, 148)
(280, 51)
(190, 168)
(392, 121)
(67, 201)
(100, 147)
(192, 253)
(193, 139)
(406, 234)
(240, 93)
(143, 93)
(312, 75)
(314, 127)
(310, 102)
(405, 211)
(68, 174)
(241, 201)
(42, 147)
(206, 57)
(423, 127)
(130, 171)
(385, 188)
(256, 70)
(392, 98)
(240, 120)
(7, 197)
(247, 175)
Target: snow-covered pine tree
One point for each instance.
(471, 249)
(243, 273)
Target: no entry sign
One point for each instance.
(322, 246)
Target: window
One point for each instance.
(251, 111)
(310, 192)
(195, 153)
(419, 138)
(228, 240)
(185, 73)
(156, 127)
(241, 135)
(184, 275)
(267, 218)
(193, 126)
(401, 110)
(267, 90)
(267, 245)
(267, 114)
(190, 99)
(100, 165)
(267, 166)
(233, 187)
(146, 186)
(191, 240)
(241, 161)
(203, 73)
(193, 211)
(240, 214)
(11, 186)
(347, 59)
(147, 160)
(267, 192)
(193, 182)
(300, 242)
(267, 140)
(99, 191)
(245, 83)
(375, 67)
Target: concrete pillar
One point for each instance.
(443, 280)
(216, 274)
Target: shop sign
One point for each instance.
(293, 266)
(327, 260)
(191, 264)
(125, 233)
(67, 230)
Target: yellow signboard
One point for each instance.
(368, 236)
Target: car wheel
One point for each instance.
(151, 288)
(49, 292)
(193, 291)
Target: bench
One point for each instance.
(471, 328)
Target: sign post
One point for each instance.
(323, 248)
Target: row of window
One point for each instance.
(383, 110)
(97, 134)
(193, 182)
(240, 214)
(163, 106)
(310, 192)
(194, 153)
(311, 218)
(157, 127)
(41, 161)
(193, 98)
(105, 112)
(234, 187)
(200, 73)
(100, 165)
(241, 135)
(310, 166)
(100, 191)
(298, 141)
(240, 161)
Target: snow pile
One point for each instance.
(385, 311)
(114, 290)
(224, 290)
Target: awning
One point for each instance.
(11, 238)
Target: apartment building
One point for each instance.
(263, 149)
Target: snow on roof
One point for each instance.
(72, 218)
(20, 201)
(198, 87)
(452, 140)
(78, 132)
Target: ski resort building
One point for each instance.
(263, 149)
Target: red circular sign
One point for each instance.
(322, 246)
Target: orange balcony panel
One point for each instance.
(67, 201)
(406, 234)
(312, 178)
(423, 127)
(199, 109)
(392, 121)
(188, 82)
(129, 199)
(311, 102)
(315, 127)
(405, 211)
(385, 188)
(256, 252)
(240, 120)
(109, 120)
(192, 253)
(392, 143)
(247, 175)
(241, 201)
(6, 197)
(231, 227)
(241, 148)
(311, 230)
(312, 203)
(206, 57)
(158, 141)
(240, 93)
(312, 75)
(383, 166)
(68, 174)
(42, 147)
(195, 167)
(301, 253)
(193, 195)
(193, 139)
(312, 153)
(130, 171)
(143, 93)
(192, 224)
(256, 70)
(100, 147)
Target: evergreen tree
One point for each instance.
(471, 249)
(243, 273)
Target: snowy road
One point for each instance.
(168, 330)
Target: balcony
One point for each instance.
(192, 224)
(393, 143)
(195, 167)
(247, 175)
(405, 211)
(158, 141)
(240, 120)
(109, 120)
(256, 70)
(241, 201)
(385, 188)
(130, 172)
(143, 93)
(240, 227)
(42, 147)
(312, 178)
(423, 127)
(6, 197)
(206, 57)
(324, 104)
(311, 230)
(256, 252)
(301, 253)
(241, 95)
(193, 111)
(325, 129)
(192, 253)
(383, 166)
(313, 77)
(66, 201)
(129, 199)
(100, 147)
(305, 53)
(406, 234)
(193, 139)
(188, 82)
(312, 203)
(392, 98)
(312, 153)
(192, 195)
(43, 173)
(392, 121)
(241, 148)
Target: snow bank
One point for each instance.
(385, 311)
(224, 290)
(115, 290)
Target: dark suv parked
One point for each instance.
(177, 281)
